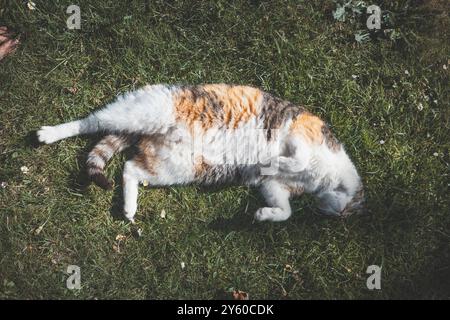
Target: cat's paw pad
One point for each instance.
(47, 135)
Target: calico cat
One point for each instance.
(214, 134)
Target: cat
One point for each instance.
(215, 134)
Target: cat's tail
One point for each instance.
(100, 155)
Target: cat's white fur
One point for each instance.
(150, 110)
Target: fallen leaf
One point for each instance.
(72, 90)
(38, 230)
(240, 295)
(31, 5)
(120, 237)
(297, 277)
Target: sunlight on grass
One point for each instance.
(291, 48)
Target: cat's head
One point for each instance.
(343, 195)
(341, 202)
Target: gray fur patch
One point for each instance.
(331, 141)
(276, 112)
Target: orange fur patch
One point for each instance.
(217, 104)
(200, 167)
(309, 126)
(147, 158)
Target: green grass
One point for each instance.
(291, 48)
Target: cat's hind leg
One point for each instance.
(277, 197)
(50, 134)
(157, 163)
(145, 111)
(131, 177)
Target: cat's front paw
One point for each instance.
(47, 135)
(266, 214)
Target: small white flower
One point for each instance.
(4, 184)
(428, 135)
(354, 76)
(382, 141)
(24, 169)
(420, 107)
(31, 5)
(183, 265)
(407, 72)
(435, 101)
(436, 154)
(163, 213)
(444, 67)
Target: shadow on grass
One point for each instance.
(243, 218)
(31, 140)
(79, 180)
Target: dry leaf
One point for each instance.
(72, 90)
(240, 295)
(297, 277)
(31, 5)
(120, 237)
(38, 230)
(145, 183)
(116, 248)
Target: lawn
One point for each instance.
(385, 99)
